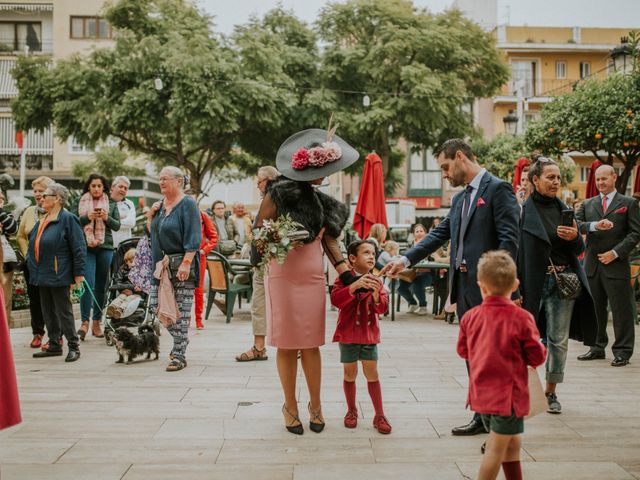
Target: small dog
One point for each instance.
(130, 345)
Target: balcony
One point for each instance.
(35, 143)
(26, 27)
(538, 90)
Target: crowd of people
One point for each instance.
(522, 279)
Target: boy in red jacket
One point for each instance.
(358, 330)
(499, 339)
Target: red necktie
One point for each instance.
(604, 204)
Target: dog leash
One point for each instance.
(84, 287)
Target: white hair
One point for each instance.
(123, 179)
(59, 191)
(176, 173)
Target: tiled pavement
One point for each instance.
(220, 419)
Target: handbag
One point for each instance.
(537, 398)
(226, 247)
(568, 284)
(175, 260)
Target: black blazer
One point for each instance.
(535, 248)
(623, 237)
(493, 224)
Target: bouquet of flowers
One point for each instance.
(276, 239)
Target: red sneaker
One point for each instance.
(36, 342)
(381, 424)
(46, 345)
(351, 419)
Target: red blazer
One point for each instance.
(499, 340)
(209, 233)
(9, 401)
(358, 320)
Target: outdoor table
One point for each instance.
(239, 262)
(425, 265)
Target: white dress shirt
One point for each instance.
(127, 211)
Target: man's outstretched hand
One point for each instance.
(393, 269)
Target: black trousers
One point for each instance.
(37, 319)
(618, 293)
(55, 301)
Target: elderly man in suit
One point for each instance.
(612, 224)
(484, 216)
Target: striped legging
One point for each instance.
(180, 330)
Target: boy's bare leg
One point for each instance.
(494, 455)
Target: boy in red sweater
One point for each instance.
(499, 339)
(358, 330)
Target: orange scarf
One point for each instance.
(43, 224)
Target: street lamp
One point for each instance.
(621, 57)
(510, 121)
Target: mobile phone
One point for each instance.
(567, 218)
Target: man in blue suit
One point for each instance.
(484, 216)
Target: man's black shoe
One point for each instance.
(72, 356)
(474, 427)
(619, 362)
(591, 355)
(48, 353)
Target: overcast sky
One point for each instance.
(584, 13)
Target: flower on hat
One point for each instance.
(300, 159)
(316, 156)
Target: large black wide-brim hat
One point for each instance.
(313, 137)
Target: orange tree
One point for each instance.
(601, 117)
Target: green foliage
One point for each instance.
(423, 68)
(109, 162)
(601, 117)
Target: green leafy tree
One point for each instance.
(110, 162)
(601, 117)
(168, 89)
(422, 72)
(500, 154)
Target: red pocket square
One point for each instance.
(621, 210)
(480, 202)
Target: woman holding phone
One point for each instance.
(99, 217)
(550, 246)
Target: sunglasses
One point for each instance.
(45, 195)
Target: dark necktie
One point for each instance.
(464, 217)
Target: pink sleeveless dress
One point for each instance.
(296, 299)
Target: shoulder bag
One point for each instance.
(567, 283)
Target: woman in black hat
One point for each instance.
(295, 291)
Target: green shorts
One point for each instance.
(511, 425)
(352, 352)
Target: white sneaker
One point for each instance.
(422, 311)
(413, 308)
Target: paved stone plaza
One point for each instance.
(219, 419)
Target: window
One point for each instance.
(561, 70)
(584, 174)
(523, 75)
(585, 69)
(78, 148)
(15, 36)
(90, 27)
(425, 177)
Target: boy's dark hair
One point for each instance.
(354, 246)
(451, 146)
(497, 271)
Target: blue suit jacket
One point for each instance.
(493, 224)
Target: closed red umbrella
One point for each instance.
(592, 191)
(9, 402)
(371, 201)
(636, 184)
(517, 174)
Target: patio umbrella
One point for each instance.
(636, 184)
(517, 174)
(371, 201)
(10, 411)
(592, 191)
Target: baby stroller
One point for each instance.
(142, 314)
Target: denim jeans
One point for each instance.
(416, 289)
(558, 313)
(97, 268)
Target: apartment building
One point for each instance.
(58, 29)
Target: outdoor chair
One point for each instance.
(220, 281)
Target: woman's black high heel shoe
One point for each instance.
(82, 332)
(317, 416)
(296, 429)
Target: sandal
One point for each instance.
(295, 426)
(176, 364)
(317, 425)
(252, 354)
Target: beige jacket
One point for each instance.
(29, 219)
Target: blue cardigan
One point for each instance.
(63, 251)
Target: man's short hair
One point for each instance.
(497, 271)
(451, 146)
(123, 179)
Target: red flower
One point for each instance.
(300, 159)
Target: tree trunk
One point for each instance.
(385, 150)
(623, 179)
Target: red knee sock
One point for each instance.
(512, 470)
(375, 392)
(350, 394)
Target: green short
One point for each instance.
(510, 425)
(352, 352)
